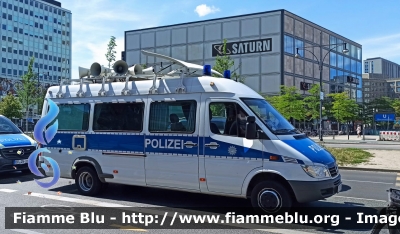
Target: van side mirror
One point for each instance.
(251, 128)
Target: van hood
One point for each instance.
(10, 140)
(314, 152)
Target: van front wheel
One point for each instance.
(270, 197)
(87, 181)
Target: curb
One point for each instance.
(368, 169)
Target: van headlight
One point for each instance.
(316, 171)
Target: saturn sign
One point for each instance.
(243, 47)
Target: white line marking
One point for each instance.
(360, 198)
(8, 190)
(363, 181)
(25, 231)
(75, 200)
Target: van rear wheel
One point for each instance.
(87, 181)
(270, 197)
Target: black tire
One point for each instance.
(271, 197)
(87, 181)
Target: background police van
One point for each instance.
(186, 132)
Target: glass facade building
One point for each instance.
(39, 29)
(263, 47)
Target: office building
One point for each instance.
(39, 29)
(263, 47)
(381, 68)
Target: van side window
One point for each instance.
(118, 117)
(179, 116)
(73, 117)
(227, 118)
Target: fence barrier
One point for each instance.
(389, 135)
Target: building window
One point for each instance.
(299, 44)
(289, 44)
(332, 59)
(372, 66)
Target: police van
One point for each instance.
(190, 129)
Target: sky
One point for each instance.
(373, 24)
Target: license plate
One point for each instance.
(25, 161)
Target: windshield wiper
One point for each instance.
(284, 130)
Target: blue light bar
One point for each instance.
(227, 74)
(207, 70)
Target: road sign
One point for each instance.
(385, 117)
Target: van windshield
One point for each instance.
(270, 116)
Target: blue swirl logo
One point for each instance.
(44, 139)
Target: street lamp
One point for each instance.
(320, 63)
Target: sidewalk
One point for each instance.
(352, 139)
(382, 160)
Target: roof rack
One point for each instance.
(122, 72)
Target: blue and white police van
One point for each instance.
(185, 130)
(15, 147)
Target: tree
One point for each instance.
(11, 107)
(224, 62)
(396, 106)
(110, 51)
(343, 108)
(26, 92)
(312, 103)
(289, 103)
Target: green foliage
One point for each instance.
(349, 156)
(312, 103)
(343, 109)
(290, 103)
(27, 93)
(224, 62)
(396, 107)
(111, 51)
(11, 107)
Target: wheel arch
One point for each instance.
(91, 162)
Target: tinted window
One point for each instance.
(227, 118)
(118, 117)
(73, 117)
(179, 116)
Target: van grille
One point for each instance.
(334, 170)
(12, 153)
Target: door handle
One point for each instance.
(212, 145)
(190, 144)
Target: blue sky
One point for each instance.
(373, 24)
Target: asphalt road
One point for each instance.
(360, 188)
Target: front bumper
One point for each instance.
(308, 191)
(7, 165)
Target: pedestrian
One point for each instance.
(358, 131)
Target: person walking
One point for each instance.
(358, 131)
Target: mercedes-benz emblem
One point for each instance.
(21, 152)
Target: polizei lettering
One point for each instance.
(243, 47)
(164, 143)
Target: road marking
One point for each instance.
(8, 190)
(25, 231)
(360, 198)
(398, 180)
(75, 200)
(363, 181)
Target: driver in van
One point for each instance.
(240, 124)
